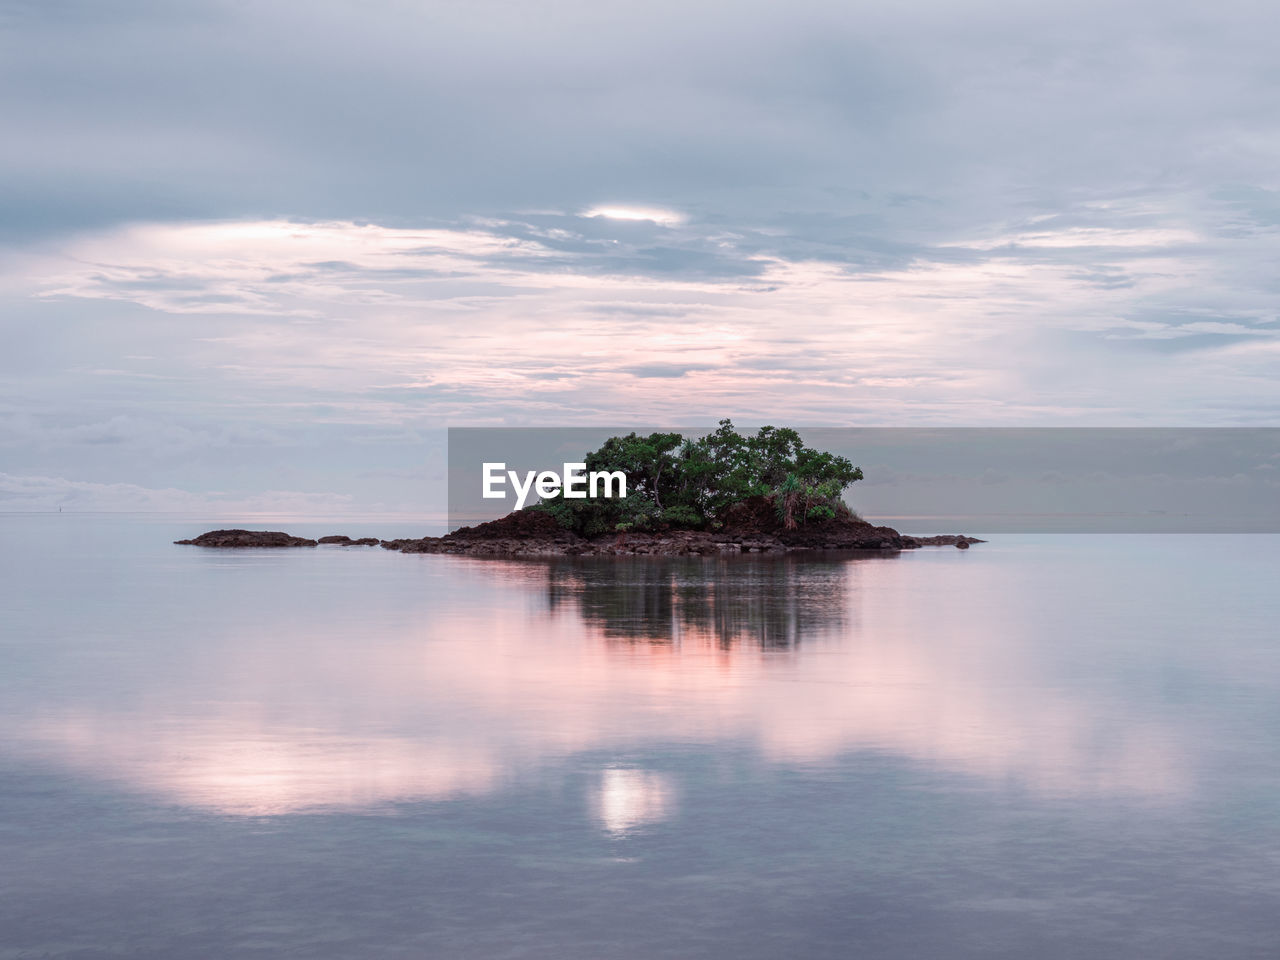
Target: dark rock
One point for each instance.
(519, 524)
(945, 540)
(345, 541)
(247, 538)
(750, 527)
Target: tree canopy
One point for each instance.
(674, 481)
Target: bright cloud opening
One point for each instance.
(664, 218)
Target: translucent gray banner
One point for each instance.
(971, 480)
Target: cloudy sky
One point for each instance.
(256, 256)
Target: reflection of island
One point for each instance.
(474, 682)
(771, 603)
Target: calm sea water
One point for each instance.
(1060, 746)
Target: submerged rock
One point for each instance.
(344, 541)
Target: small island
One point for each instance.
(724, 493)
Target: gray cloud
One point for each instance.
(664, 370)
(930, 116)
(933, 212)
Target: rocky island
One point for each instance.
(530, 533)
(270, 538)
(725, 493)
(247, 538)
(751, 528)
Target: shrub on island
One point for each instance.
(691, 484)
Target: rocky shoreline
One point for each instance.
(530, 533)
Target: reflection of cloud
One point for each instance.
(229, 762)
(313, 713)
(627, 798)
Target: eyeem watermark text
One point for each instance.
(574, 483)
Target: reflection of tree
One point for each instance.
(770, 602)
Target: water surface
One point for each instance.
(1054, 746)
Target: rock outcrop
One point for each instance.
(248, 538)
(943, 540)
(749, 527)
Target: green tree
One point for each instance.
(691, 483)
